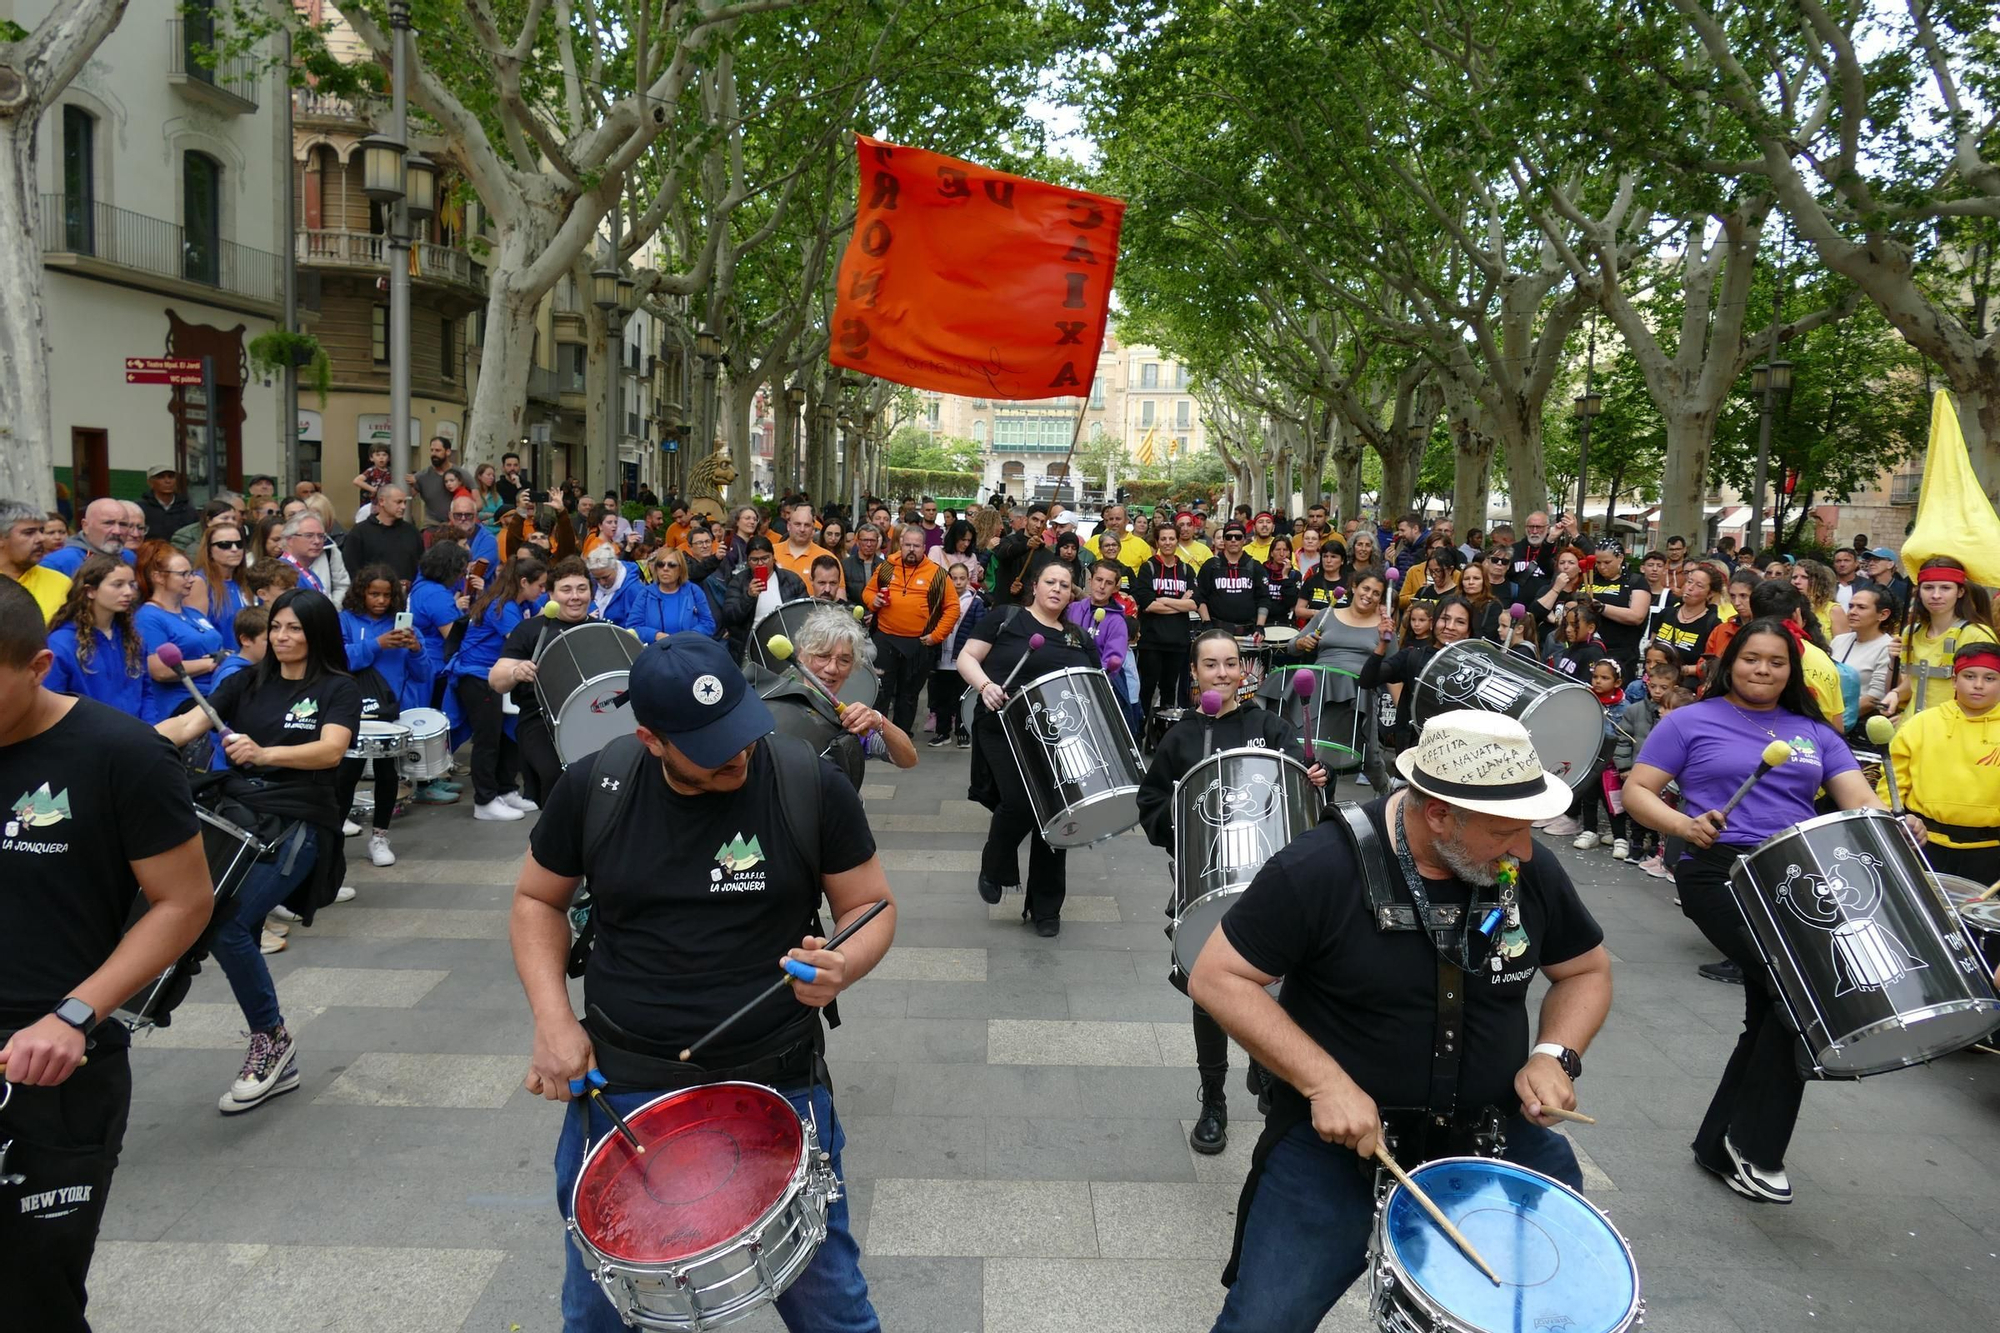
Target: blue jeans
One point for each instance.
(831, 1296)
(1124, 686)
(1307, 1235)
(236, 940)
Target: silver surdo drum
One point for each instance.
(1075, 755)
(580, 675)
(1232, 812)
(1872, 963)
(1563, 718)
(861, 685)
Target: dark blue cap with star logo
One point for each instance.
(687, 691)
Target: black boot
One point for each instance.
(1211, 1131)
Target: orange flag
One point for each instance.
(968, 281)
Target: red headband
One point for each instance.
(1798, 636)
(1942, 574)
(1976, 654)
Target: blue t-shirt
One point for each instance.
(406, 671)
(1710, 747)
(106, 679)
(196, 637)
(433, 611)
(483, 638)
(66, 560)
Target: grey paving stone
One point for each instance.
(1149, 1001)
(1052, 1148)
(908, 858)
(931, 1040)
(1077, 907)
(1030, 1090)
(930, 1147)
(412, 923)
(1017, 1041)
(1231, 1166)
(1119, 1296)
(380, 1078)
(1152, 1221)
(369, 987)
(915, 963)
(412, 870)
(206, 1026)
(982, 1218)
(985, 999)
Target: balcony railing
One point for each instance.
(366, 249)
(192, 58)
(150, 245)
(542, 383)
(324, 106)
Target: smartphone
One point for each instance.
(404, 620)
(477, 568)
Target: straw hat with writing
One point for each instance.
(1483, 762)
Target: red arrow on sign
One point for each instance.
(162, 377)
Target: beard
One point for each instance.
(1462, 863)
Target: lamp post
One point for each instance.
(401, 447)
(1588, 405)
(708, 347)
(795, 403)
(823, 476)
(1767, 381)
(604, 295)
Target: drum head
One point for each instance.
(1566, 727)
(592, 717)
(717, 1159)
(1981, 916)
(1193, 926)
(1958, 890)
(1093, 820)
(425, 722)
(1561, 1265)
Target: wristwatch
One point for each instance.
(78, 1014)
(1571, 1062)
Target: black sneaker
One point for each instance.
(940, 738)
(1049, 927)
(965, 740)
(989, 892)
(1724, 971)
(1211, 1131)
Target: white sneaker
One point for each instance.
(269, 943)
(497, 808)
(276, 927)
(344, 894)
(1562, 826)
(284, 913)
(1586, 840)
(378, 850)
(349, 829)
(1620, 849)
(519, 802)
(270, 1068)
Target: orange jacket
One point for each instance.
(913, 602)
(802, 565)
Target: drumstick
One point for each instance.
(805, 973)
(1880, 732)
(781, 648)
(1211, 708)
(1035, 641)
(594, 1081)
(1302, 686)
(1574, 1117)
(171, 658)
(1437, 1214)
(1777, 752)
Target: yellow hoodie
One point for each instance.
(1948, 765)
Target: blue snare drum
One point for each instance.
(1561, 1263)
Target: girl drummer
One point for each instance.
(997, 646)
(1950, 611)
(1938, 757)
(1758, 695)
(1399, 670)
(1345, 636)
(1217, 666)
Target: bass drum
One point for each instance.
(1563, 718)
(580, 678)
(1339, 710)
(1075, 755)
(1978, 913)
(1232, 812)
(861, 685)
(1871, 962)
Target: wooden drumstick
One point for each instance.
(1574, 1117)
(1437, 1214)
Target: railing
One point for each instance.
(542, 383)
(325, 106)
(151, 245)
(366, 249)
(191, 54)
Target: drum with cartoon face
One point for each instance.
(1865, 950)
(1076, 756)
(1563, 718)
(1232, 812)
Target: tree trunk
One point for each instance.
(742, 405)
(1472, 480)
(1399, 480)
(508, 352)
(784, 472)
(1346, 453)
(1684, 478)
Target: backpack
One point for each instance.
(1850, 696)
(614, 773)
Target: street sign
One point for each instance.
(183, 377)
(183, 365)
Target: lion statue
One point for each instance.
(706, 480)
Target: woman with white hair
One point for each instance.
(614, 585)
(829, 646)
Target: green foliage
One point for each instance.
(901, 481)
(914, 448)
(279, 350)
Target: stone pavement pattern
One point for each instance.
(1016, 1109)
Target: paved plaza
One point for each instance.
(1017, 1113)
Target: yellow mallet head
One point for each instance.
(860, 613)
(1880, 730)
(779, 647)
(1776, 753)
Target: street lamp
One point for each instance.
(419, 187)
(708, 346)
(382, 168)
(604, 288)
(1589, 406)
(604, 281)
(795, 400)
(1767, 381)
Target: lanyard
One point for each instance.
(1472, 919)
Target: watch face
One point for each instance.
(76, 1013)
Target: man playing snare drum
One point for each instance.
(708, 845)
(1420, 1028)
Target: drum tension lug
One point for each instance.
(9, 1178)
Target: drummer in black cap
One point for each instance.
(708, 845)
(1232, 589)
(1407, 932)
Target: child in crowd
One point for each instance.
(252, 629)
(947, 686)
(377, 473)
(266, 580)
(1941, 757)
(1641, 713)
(1601, 787)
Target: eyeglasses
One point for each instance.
(462, 513)
(666, 564)
(225, 546)
(178, 573)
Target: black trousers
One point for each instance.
(1211, 1050)
(1757, 1102)
(1164, 669)
(1013, 820)
(494, 754)
(385, 788)
(65, 1142)
(947, 689)
(905, 664)
(540, 765)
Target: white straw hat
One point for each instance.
(1483, 762)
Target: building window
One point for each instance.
(979, 431)
(1097, 430)
(576, 362)
(1146, 412)
(1181, 414)
(378, 338)
(1149, 375)
(1033, 433)
(1180, 444)
(79, 167)
(1097, 394)
(935, 407)
(1180, 377)
(201, 219)
(448, 343)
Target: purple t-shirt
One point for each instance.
(1710, 747)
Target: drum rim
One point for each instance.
(1897, 1022)
(443, 723)
(1401, 1271)
(226, 826)
(1174, 934)
(801, 1174)
(1110, 794)
(1256, 750)
(1022, 689)
(572, 626)
(1827, 820)
(1978, 910)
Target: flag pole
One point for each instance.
(1076, 433)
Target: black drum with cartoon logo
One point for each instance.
(1863, 946)
(1232, 812)
(1563, 718)
(1076, 756)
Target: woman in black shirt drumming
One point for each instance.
(1218, 666)
(1401, 668)
(289, 722)
(513, 674)
(996, 646)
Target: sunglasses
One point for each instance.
(666, 564)
(225, 546)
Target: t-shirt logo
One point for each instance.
(39, 809)
(708, 690)
(736, 863)
(302, 715)
(736, 855)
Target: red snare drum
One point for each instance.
(726, 1207)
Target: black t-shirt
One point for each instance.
(1369, 997)
(696, 898)
(1009, 635)
(1283, 594)
(292, 712)
(1576, 659)
(1234, 593)
(1689, 638)
(95, 792)
(1320, 592)
(523, 642)
(1154, 581)
(1621, 641)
